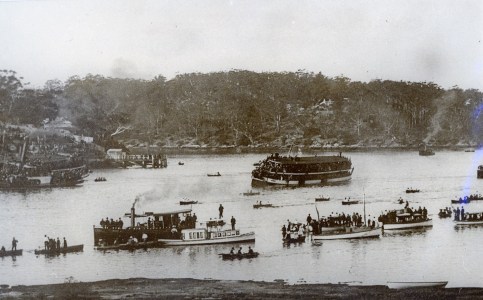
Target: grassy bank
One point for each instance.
(141, 288)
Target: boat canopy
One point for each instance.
(153, 214)
(308, 160)
(173, 212)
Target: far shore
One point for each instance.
(306, 150)
(143, 288)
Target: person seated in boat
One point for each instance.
(144, 237)
(174, 231)
(240, 251)
(232, 251)
(250, 250)
(3, 250)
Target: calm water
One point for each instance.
(439, 253)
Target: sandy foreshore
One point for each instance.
(142, 288)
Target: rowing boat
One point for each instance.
(11, 253)
(238, 256)
(349, 202)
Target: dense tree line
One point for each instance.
(248, 108)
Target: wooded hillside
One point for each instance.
(252, 109)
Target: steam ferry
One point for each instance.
(302, 170)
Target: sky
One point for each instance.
(436, 41)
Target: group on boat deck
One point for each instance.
(293, 230)
(341, 220)
(106, 224)
(51, 244)
(407, 214)
(460, 215)
(445, 211)
(467, 199)
(472, 197)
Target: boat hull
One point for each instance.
(415, 284)
(272, 181)
(465, 223)
(262, 205)
(369, 233)
(395, 226)
(70, 249)
(243, 238)
(11, 253)
(131, 247)
(350, 202)
(229, 256)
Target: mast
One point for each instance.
(364, 200)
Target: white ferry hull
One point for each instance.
(243, 238)
(415, 284)
(271, 181)
(395, 226)
(463, 223)
(373, 233)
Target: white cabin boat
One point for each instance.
(349, 233)
(408, 225)
(404, 219)
(415, 284)
(211, 234)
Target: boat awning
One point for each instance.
(174, 212)
(308, 160)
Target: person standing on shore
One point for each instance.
(65, 243)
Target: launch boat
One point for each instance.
(350, 232)
(213, 233)
(470, 219)
(404, 219)
(302, 170)
(163, 225)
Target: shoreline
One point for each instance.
(208, 288)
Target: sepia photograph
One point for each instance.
(241, 149)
